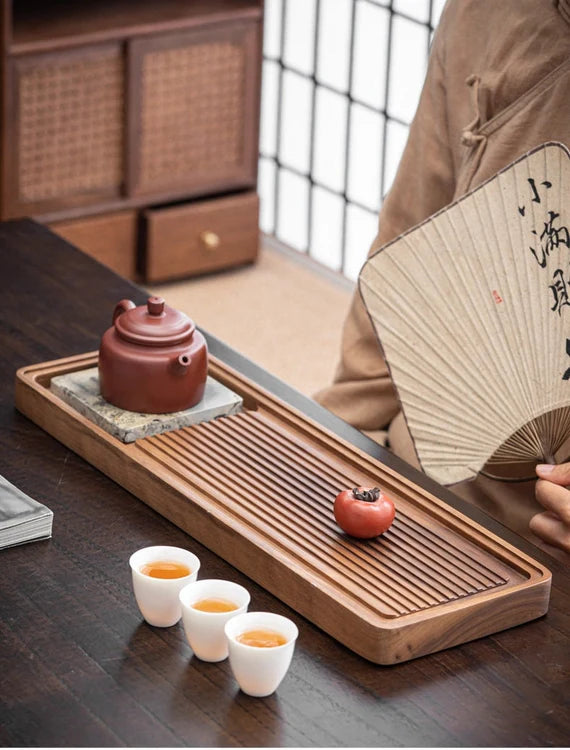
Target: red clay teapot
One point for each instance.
(152, 359)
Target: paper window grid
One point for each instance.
(326, 80)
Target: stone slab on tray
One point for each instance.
(81, 391)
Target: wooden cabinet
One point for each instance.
(115, 106)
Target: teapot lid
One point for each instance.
(155, 324)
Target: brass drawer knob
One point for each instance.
(210, 240)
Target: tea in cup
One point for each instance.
(159, 574)
(206, 607)
(261, 646)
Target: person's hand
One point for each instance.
(553, 525)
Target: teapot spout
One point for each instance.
(182, 363)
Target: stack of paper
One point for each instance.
(21, 518)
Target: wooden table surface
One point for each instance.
(78, 667)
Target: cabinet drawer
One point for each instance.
(203, 236)
(110, 238)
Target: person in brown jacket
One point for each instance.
(497, 85)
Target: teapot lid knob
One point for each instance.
(155, 305)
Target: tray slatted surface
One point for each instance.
(287, 492)
(258, 489)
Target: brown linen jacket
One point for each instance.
(497, 85)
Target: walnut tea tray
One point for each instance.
(257, 488)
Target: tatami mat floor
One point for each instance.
(283, 312)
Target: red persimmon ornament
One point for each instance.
(364, 513)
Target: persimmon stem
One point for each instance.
(369, 496)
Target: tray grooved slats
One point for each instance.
(288, 492)
(339, 480)
(256, 426)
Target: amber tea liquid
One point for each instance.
(214, 605)
(165, 569)
(261, 638)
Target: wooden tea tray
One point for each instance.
(258, 488)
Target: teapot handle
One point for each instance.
(123, 306)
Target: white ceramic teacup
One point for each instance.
(259, 671)
(205, 630)
(158, 597)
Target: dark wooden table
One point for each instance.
(79, 668)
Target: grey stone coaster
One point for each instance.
(81, 391)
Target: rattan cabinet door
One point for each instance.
(68, 127)
(195, 110)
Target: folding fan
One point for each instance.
(472, 310)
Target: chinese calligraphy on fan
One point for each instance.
(546, 239)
